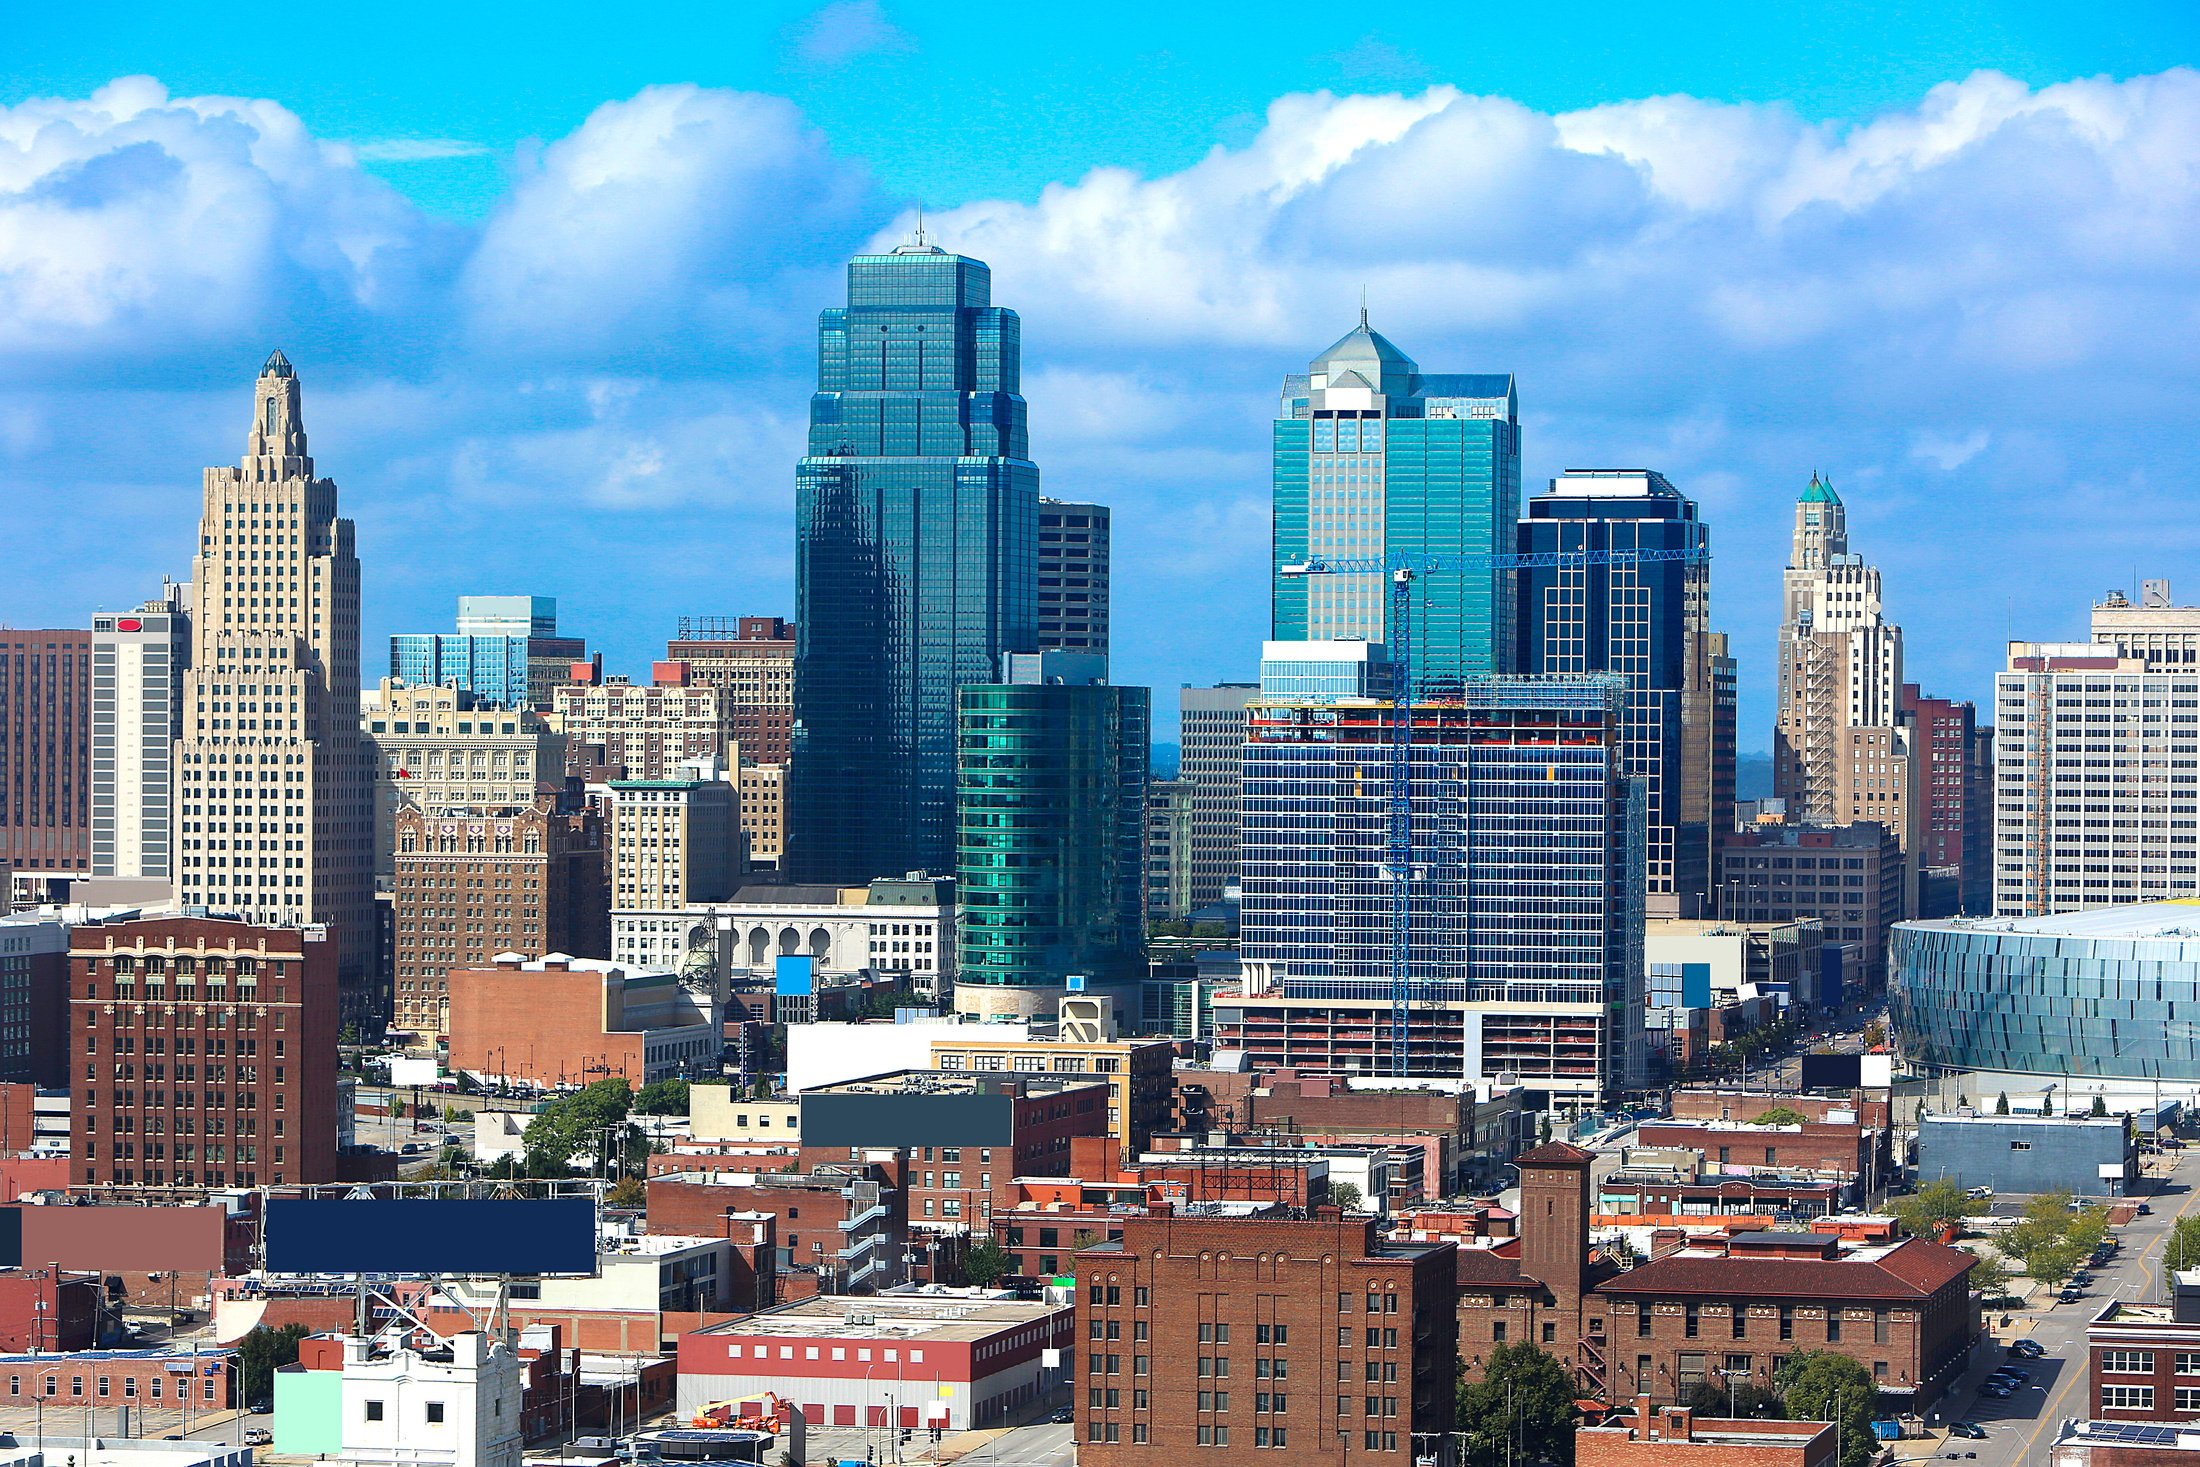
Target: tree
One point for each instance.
(2181, 1249)
(2100, 1106)
(1819, 1385)
(630, 1192)
(1735, 1400)
(662, 1098)
(2001, 1104)
(1781, 1115)
(1524, 1396)
(2055, 1262)
(1345, 1195)
(984, 1262)
(575, 1125)
(1875, 1034)
(1990, 1276)
(1933, 1208)
(261, 1353)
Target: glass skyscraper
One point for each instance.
(506, 651)
(1374, 460)
(916, 558)
(1649, 622)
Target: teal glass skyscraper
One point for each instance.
(1376, 461)
(916, 558)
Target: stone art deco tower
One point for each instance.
(274, 806)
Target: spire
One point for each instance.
(1363, 308)
(276, 365)
(278, 422)
(1820, 491)
(920, 241)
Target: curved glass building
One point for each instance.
(2110, 992)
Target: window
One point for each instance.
(1833, 1326)
(2128, 1362)
(374, 1410)
(1214, 1436)
(2188, 1400)
(1738, 1321)
(2020, 1146)
(1787, 1321)
(1691, 1320)
(1497, 1332)
(2127, 1398)
(435, 1413)
(2188, 1362)
(1642, 1319)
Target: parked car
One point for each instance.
(1995, 1391)
(2028, 1348)
(258, 1436)
(2071, 1296)
(2145, 1210)
(1978, 1192)
(2014, 1372)
(1970, 1430)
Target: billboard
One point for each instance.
(1832, 1071)
(114, 1239)
(415, 1236)
(907, 1120)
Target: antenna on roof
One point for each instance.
(918, 238)
(1363, 307)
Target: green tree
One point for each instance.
(1735, 1400)
(2055, 1262)
(1935, 1206)
(261, 1353)
(2046, 1223)
(1345, 1195)
(984, 1262)
(577, 1125)
(2001, 1104)
(1819, 1385)
(1990, 1277)
(1524, 1398)
(2181, 1249)
(2100, 1106)
(662, 1098)
(628, 1192)
(1781, 1115)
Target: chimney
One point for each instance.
(1680, 1424)
(1643, 1418)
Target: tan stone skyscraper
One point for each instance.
(275, 812)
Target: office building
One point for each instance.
(274, 783)
(138, 662)
(1312, 1337)
(2096, 797)
(1525, 924)
(1955, 817)
(763, 790)
(212, 1043)
(506, 651)
(1168, 849)
(2157, 633)
(904, 925)
(750, 661)
(34, 1007)
(1648, 621)
(1849, 877)
(471, 882)
(1136, 1071)
(609, 722)
(562, 1020)
(45, 750)
(1374, 461)
(675, 841)
(1050, 814)
(917, 512)
(1073, 576)
(1211, 737)
(441, 748)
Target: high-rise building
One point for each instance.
(1168, 849)
(1375, 461)
(1526, 919)
(138, 662)
(645, 731)
(1211, 741)
(675, 841)
(34, 1001)
(1647, 620)
(750, 661)
(212, 1046)
(1051, 810)
(1955, 808)
(1073, 575)
(506, 651)
(473, 882)
(45, 750)
(441, 748)
(916, 565)
(275, 790)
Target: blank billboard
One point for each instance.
(1832, 1071)
(908, 1120)
(114, 1239)
(413, 1236)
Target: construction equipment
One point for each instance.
(1398, 852)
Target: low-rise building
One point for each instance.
(839, 1227)
(1674, 1436)
(566, 1021)
(2083, 1443)
(904, 926)
(957, 1359)
(1701, 963)
(2092, 1156)
(2144, 1359)
(1385, 1177)
(1845, 1149)
(723, 1113)
(152, 1380)
(455, 1405)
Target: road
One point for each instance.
(2021, 1430)
(1029, 1446)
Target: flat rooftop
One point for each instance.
(951, 1316)
(959, 1082)
(2174, 1436)
(2138, 921)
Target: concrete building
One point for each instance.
(471, 883)
(567, 1021)
(675, 841)
(750, 661)
(2092, 1156)
(1168, 849)
(1674, 1436)
(26, 1447)
(456, 1405)
(763, 810)
(272, 705)
(899, 925)
(442, 749)
(2082, 1443)
(1073, 576)
(1137, 1072)
(1220, 1320)
(1850, 878)
(958, 1359)
(2093, 804)
(643, 731)
(46, 750)
(235, 1025)
(1211, 735)
(715, 1112)
(1697, 964)
(138, 662)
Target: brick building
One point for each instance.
(210, 1048)
(1956, 783)
(475, 882)
(1729, 1103)
(610, 723)
(147, 1379)
(1139, 1072)
(43, 1309)
(749, 660)
(2144, 1359)
(837, 1226)
(1850, 877)
(1463, 1130)
(1204, 1336)
(46, 750)
(1674, 1436)
(560, 1020)
(1845, 1149)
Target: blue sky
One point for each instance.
(550, 275)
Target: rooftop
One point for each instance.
(2174, 920)
(1909, 1269)
(949, 1315)
(2173, 1436)
(957, 1082)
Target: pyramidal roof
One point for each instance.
(276, 365)
(1820, 491)
(1363, 349)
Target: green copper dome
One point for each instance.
(1819, 492)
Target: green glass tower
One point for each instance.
(916, 558)
(1050, 809)
(1373, 460)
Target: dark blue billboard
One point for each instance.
(417, 1236)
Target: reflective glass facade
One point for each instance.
(1050, 809)
(2045, 996)
(491, 668)
(916, 558)
(1374, 459)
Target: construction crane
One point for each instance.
(1398, 864)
